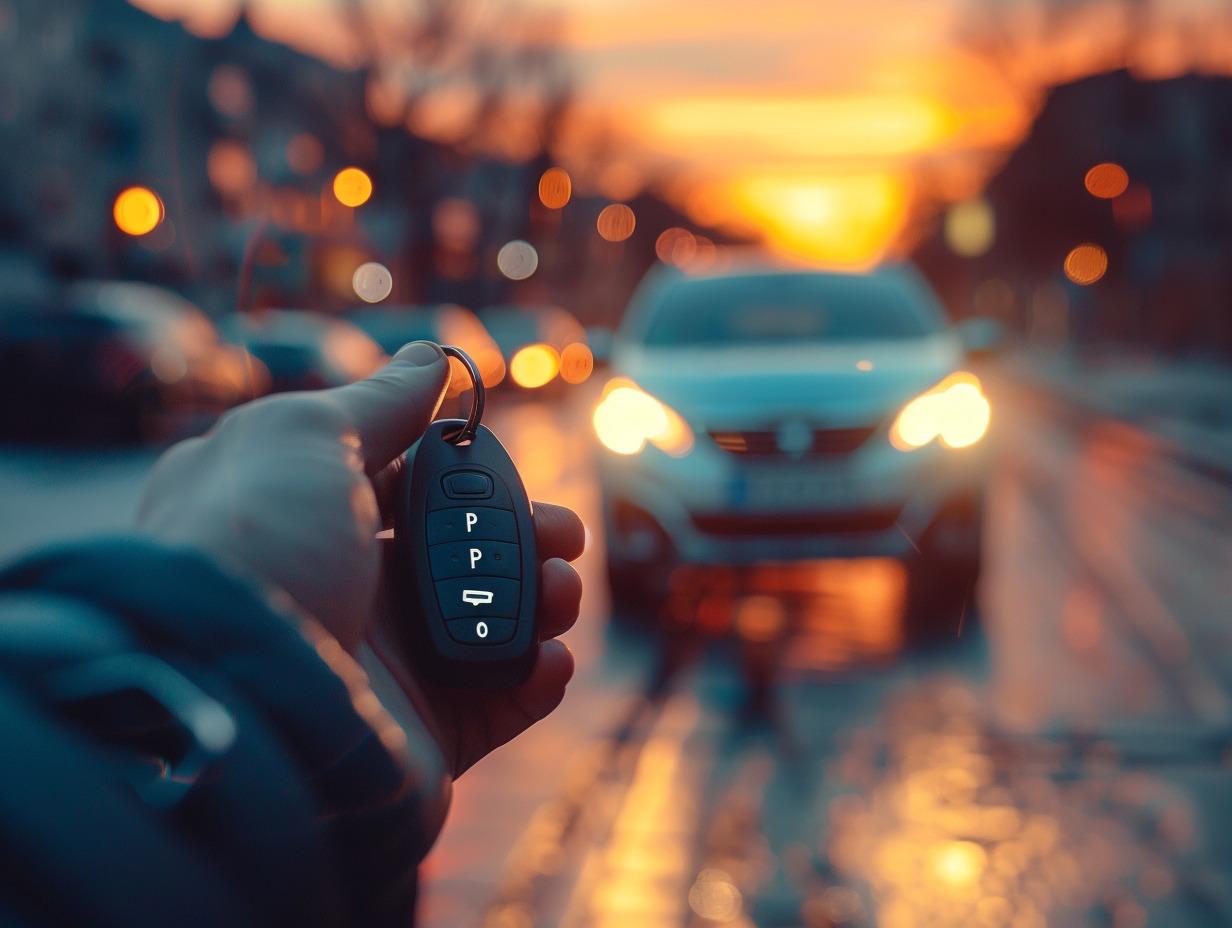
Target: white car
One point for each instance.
(766, 414)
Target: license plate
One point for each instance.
(795, 490)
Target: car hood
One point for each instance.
(744, 387)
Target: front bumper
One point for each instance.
(710, 508)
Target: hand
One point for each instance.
(292, 489)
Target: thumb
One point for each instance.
(391, 409)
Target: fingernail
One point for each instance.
(420, 354)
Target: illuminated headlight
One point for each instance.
(627, 417)
(956, 411)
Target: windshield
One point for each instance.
(784, 309)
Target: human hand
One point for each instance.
(292, 490)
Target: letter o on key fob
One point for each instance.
(467, 573)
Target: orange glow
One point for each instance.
(1086, 264)
(845, 221)
(534, 366)
(955, 410)
(856, 126)
(555, 188)
(576, 363)
(616, 222)
(352, 187)
(138, 210)
(626, 418)
(1107, 181)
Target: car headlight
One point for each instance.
(955, 410)
(627, 417)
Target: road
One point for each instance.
(1065, 763)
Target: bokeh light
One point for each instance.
(372, 282)
(576, 363)
(352, 187)
(555, 188)
(1107, 181)
(534, 366)
(1086, 264)
(616, 222)
(230, 91)
(517, 260)
(230, 166)
(305, 154)
(970, 227)
(138, 210)
(455, 223)
(676, 246)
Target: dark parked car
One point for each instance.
(116, 362)
(305, 350)
(447, 324)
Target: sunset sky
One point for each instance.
(824, 126)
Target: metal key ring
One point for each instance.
(467, 432)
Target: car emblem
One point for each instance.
(794, 438)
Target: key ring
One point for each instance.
(467, 432)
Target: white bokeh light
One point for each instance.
(372, 282)
(517, 260)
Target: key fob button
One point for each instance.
(479, 596)
(477, 523)
(466, 484)
(475, 559)
(481, 630)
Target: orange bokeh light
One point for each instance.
(555, 188)
(1086, 264)
(138, 210)
(352, 187)
(576, 363)
(616, 222)
(1107, 181)
(534, 366)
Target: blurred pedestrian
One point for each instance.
(211, 720)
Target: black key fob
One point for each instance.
(465, 553)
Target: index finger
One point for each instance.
(391, 409)
(558, 532)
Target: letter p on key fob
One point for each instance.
(465, 548)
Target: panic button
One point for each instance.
(467, 484)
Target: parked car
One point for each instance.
(447, 324)
(116, 362)
(305, 350)
(770, 414)
(544, 346)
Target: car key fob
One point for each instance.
(465, 553)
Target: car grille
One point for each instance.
(765, 443)
(779, 524)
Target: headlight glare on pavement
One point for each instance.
(955, 410)
(627, 417)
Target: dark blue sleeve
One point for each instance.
(305, 818)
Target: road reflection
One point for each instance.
(949, 823)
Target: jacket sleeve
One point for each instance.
(280, 793)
